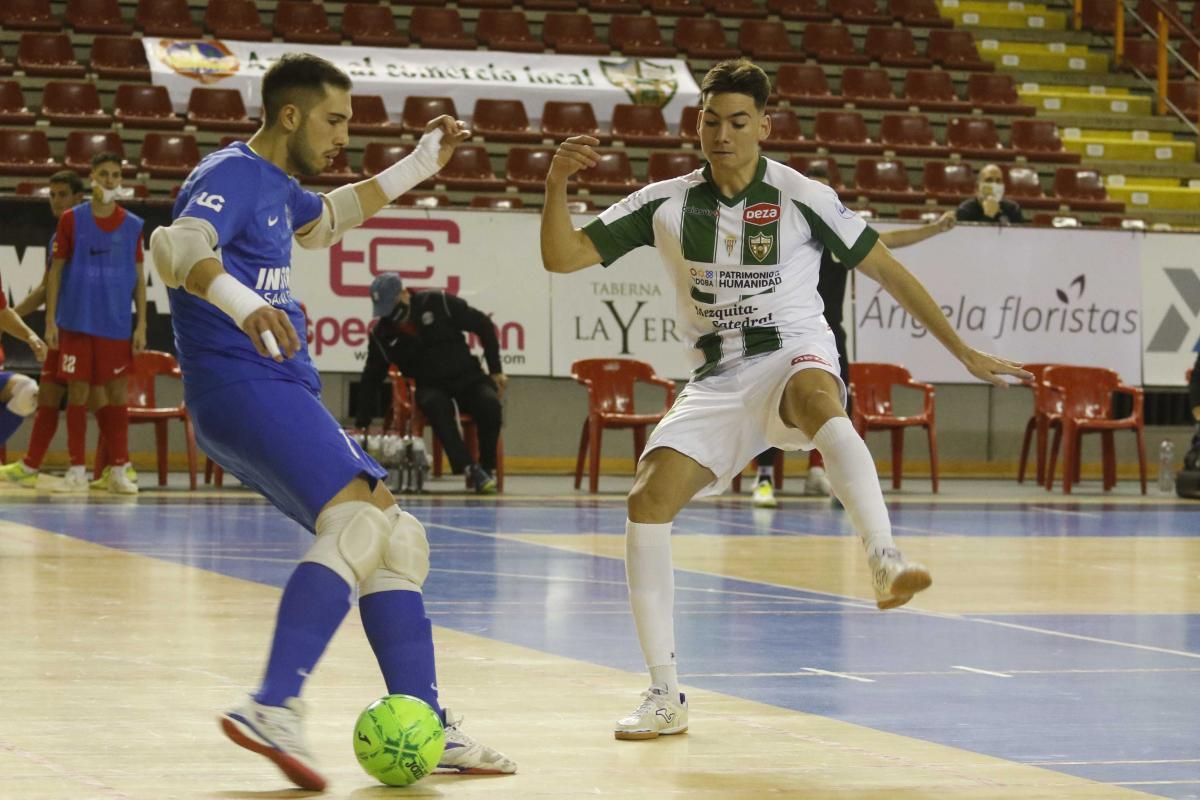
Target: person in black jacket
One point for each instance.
(988, 204)
(421, 333)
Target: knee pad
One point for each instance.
(351, 540)
(405, 559)
(24, 395)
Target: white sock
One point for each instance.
(651, 580)
(852, 475)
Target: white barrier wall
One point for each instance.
(1078, 296)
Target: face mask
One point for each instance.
(107, 195)
(994, 190)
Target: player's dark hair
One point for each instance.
(298, 79)
(105, 158)
(70, 177)
(737, 76)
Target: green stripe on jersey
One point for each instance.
(756, 341)
(710, 346)
(848, 254)
(760, 243)
(698, 229)
(616, 238)
(703, 297)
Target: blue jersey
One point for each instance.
(254, 207)
(95, 295)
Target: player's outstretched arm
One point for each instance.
(12, 324)
(566, 248)
(881, 266)
(185, 257)
(349, 206)
(33, 301)
(918, 233)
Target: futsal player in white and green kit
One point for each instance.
(742, 240)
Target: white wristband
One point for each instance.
(233, 297)
(419, 165)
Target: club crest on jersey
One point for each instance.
(730, 242)
(760, 245)
(761, 214)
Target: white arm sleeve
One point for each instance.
(180, 247)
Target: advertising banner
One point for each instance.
(1170, 307)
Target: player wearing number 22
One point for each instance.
(742, 240)
(254, 396)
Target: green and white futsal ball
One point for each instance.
(399, 739)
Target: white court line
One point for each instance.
(980, 671)
(1104, 763)
(848, 677)
(67, 773)
(1156, 783)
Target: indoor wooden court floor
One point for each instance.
(1056, 656)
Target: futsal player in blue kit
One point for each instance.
(18, 393)
(254, 397)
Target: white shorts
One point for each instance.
(723, 421)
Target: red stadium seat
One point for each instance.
(119, 58)
(82, 145)
(219, 110)
(662, 166)
(235, 19)
(6, 67)
(950, 182)
(169, 155)
(1100, 16)
(369, 25)
(996, 94)
(894, 47)
(13, 110)
(73, 104)
(1185, 95)
(641, 126)
(526, 167)
(613, 174)
(1142, 55)
(869, 87)
(144, 106)
(910, 135)
(675, 8)
(741, 9)
(932, 90)
(497, 202)
(1023, 185)
(616, 6)
(918, 14)
(637, 36)
(170, 18)
(689, 125)
(303, 22)
(439, 29)
(378, 156)
(502, 121)
(703, 38)
(25, 153)
(831, 44)
(508, 30)
(418, 111)
(859, 12)
(470, 169)
(1083, 190)
(767, 41)
(1037, 140)
(551, 5)
(976, 137)
(370, 116)
(844, 132)
(800, 10)
(96, 16)
(805, 84)
(803, 164)
(785, 132)
(572, 34)
(28, 15)
(884, 181)
(484, 4)
(561, 120)
(955, 49)
(48, 55)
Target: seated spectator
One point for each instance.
(988, 204)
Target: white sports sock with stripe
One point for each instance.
(651, 579)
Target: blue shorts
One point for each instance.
(279, 440)
(4, 376)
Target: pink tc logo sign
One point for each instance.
(379, 256)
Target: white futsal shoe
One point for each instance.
(764, 495)
(896, 580)
(75, 480)
(466, 756)
(121, 481)
(658, 715)
(816, 484)
(276, 732)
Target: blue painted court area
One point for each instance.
(1110, 698)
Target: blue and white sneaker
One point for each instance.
(895, 580)
(658, 715)
(276, 732)
(465, 756)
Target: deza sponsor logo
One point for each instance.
(760, 214)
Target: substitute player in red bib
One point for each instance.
(96, 271)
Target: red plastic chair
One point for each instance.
(235, 19)
(418, 111)
(369, 25)
(142, 106)
(638, 36)
(439, 28)
(506, 29)
(166, 18)
(143, 408)
(894, 47)
(212, 109)
(403, 409)
(371, 116)
(169, 155)
(802, 10)
(82, 145)
(767, 41)
(48, 54)
(868, 87)
(96, 16)
(526, 167)
(29, 15)
(805, 84)
(871, 386)
(119, 58)
(1087, 394)
(13, 110)
(831, 44)
(25, 153)
(703, 38)
(502, 121)
(1047, 414)
(663, 165)
(572, 33)
(610, 384)
(641, 126)
(303, 22)
(948, 182)
(932, 90)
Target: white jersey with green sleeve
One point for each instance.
(745, 268)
